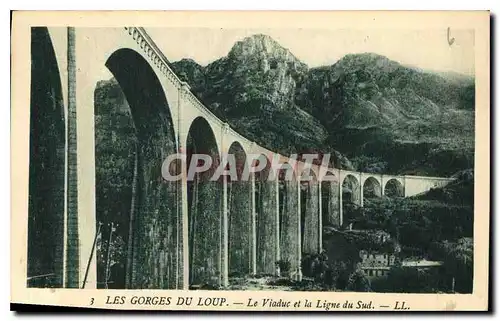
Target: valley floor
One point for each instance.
(270, 283)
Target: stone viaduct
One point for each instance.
(181, 233)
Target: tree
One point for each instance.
(358, 282)
(458, 264)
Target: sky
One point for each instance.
(425, 49)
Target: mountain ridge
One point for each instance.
(376, 112)
(372, 113)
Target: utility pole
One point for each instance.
(108, 256)
(91, 255)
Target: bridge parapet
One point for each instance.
(431, 178)
(155, 55)
(418, 184)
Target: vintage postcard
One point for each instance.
(257, 161)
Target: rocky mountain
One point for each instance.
(373, 114)
(390, 118)
(254, 89)
(385, 117)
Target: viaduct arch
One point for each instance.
(372, 188)
(47, 166)
(204, 206)
(239, 214)
(289, 219)
(267, 219)
(152, 228)
(394, 188)
(310, 212)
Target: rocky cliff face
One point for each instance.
(257, 74)
(273, 67)
(390, 118)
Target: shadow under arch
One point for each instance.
(289, 220)
(266, 217)
(47, 166)
(394, 188)
(309, 212)
(131, 157)
(351, 197)
(239, 205)
(372, 188)
(204, 209)
(330, 208)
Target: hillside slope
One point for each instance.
(390, 118)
